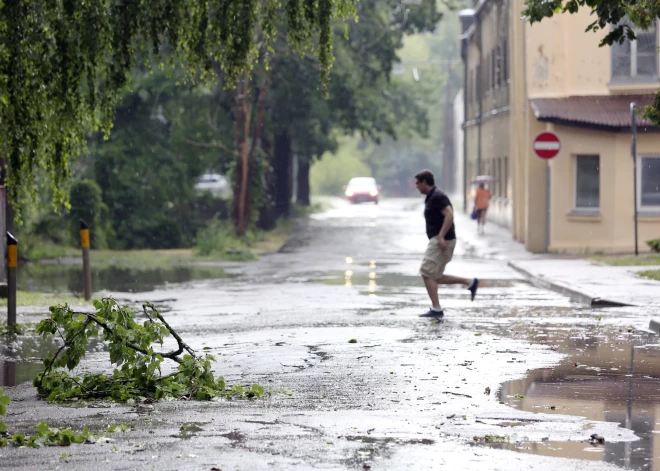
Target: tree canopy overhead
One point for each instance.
(64, 64)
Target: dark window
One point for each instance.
(587, 182)
(636, 60)
(506, 177)
(650, 181)
(493, 66)
(498, 71)
(505, 59)
(469, 92)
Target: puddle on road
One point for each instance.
(388, 282)
(68, 278)
(610, 375)
(21, 357)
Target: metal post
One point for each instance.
(633, 153)
(548, 192)
(12, 263)
(87, 269)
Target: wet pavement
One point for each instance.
(518, 379)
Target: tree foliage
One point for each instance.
(138, 371)
(65, 64)
(147, 168)
(619, 16)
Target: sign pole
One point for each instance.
(547, 205)
(633, 153)
(87, 270)
(12, 264)
(547, 146)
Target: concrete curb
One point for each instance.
(654, 326)
(574, 295)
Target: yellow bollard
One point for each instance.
(12, 264)
(87, 269)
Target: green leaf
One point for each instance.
(3, 427)
(42, 428)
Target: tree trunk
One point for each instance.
(242, 118)
(248, 138)
(267, 218)
(282, 171)
(302, 196)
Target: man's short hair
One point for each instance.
(425, 176)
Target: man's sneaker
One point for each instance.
(433, 314)
(473, 288)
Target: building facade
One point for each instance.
(522, 80)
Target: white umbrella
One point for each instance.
(482, 179)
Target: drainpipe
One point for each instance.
(477, 24)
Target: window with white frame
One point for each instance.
(649, 182)
(587, 182)
(636, 60)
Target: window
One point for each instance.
(505, 164)
(469, 91)
(649, 187)
(505, 61)
(636, 60)
(493, 66)
(587, 182)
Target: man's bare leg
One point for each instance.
(432, 289)
(452, 280)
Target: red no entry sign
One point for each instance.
(547, 145)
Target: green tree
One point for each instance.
(616, 15)
(360, 99)
(87, 204)
(65, 64)
(148, 167)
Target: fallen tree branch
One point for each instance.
(137, 372)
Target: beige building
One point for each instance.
(521, 80)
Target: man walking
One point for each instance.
(439, 216)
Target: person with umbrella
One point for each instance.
(481, 203)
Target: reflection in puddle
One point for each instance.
(67, 278)
(388, 283)
(611, 375)
(21, 356)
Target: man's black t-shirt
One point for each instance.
(435, 202)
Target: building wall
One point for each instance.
(487, 120)
(552, 59)
(458, 177)
(612, 230)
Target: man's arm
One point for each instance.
(448, 213)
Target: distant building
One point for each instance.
(521, 80)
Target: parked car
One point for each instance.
(215, 183)
(362, 189)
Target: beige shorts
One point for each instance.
(435, 260)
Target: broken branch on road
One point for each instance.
(137, 372)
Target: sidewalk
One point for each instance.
(582, 280)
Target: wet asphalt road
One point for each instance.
(408, 394)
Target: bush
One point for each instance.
(219, 237)
(87, 204)
(654, 244)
